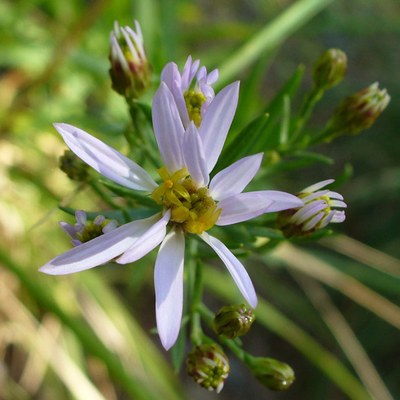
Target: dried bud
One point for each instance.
(85, 230)
(73, 166)
(329, 69)
(232, 321)
(317, 212)
(274, 374)
(130, 70)
(208, 365)
(359, 111)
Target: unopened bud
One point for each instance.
(318, 211)
(130, 70)
(359, 111)
(232, 321)
(274, 374)
(208, 365)
(329, 69)
(73, 166)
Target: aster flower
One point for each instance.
(190, 202)
(319, 209)
(192, 100)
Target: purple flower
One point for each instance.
(191, 203)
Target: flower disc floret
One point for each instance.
(194, 101)
(191, 207)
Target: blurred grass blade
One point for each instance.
(363, 253)
(127, 338)
(324, 272)
(345, 336)
(271, 318)
(130, 383)
(270, 37)
(40, 341)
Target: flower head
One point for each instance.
(358, 111)
(190, 203)
(274, 374)
(85, 230)
(233, 321)
(209, 366)
(130, 71)
(330, 69)
(192, 100)
(318, 210)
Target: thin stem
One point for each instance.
(310, 101)
(195, 268)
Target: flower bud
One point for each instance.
(274, 374)
(234, 320)
(329, 69)
(130, 70)
(359, 111)
(208, 365)
(317, 212)
(73, 166)
(85, 230)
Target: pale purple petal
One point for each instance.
(99, 250)
(235, 268)
(337, 203)
(306, 212)
(317, 186)
(233, 179)
(105, 159)
(244, 206)
(168, 283)
(194, 156)
(169, 74)
(217, 121)
(338, 217)
(313, 222)
(147, 242)
(168, 128)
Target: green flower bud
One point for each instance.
(130, 70)
(274, 374)
(208, 365)
(232, 321)
(329, 69)
(73, 166)
(359, 111)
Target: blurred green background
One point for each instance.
(84, 336)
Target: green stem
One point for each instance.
(138, 139)
(310, 101)
(196, 334)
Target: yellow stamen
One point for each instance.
(191, 207)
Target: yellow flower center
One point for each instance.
(194, 100)
(191, 207)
